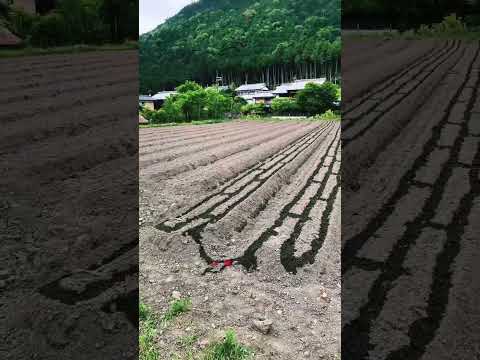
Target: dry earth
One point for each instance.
(411, 159)
(68, 225)
(244, 218)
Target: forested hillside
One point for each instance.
(68, 22)
(242, 41)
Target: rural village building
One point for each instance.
(250, 89)
(28, 6)
(260, 97)
(156, 101)
(160, 97)
(291, 89)
(251, 93)
(146, 101)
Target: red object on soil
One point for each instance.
(228, 262)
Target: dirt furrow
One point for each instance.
(250, 176)
(23, 85)
(66, 101)
(241, 137)
(390, 254)
(391, 86)
(176, 167)
(155, 139)
(426, 76)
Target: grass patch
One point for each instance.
(149, 324)
(176, 308)
(74, 49)
(228, 349)
(328, 115)
(148, 331)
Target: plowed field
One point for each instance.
(244, 218)
(68, 226)
(411, 153)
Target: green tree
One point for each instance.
(49, 30)
(285, 106)
(187, 87)
(254, 109)
(317, 99)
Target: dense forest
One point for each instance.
(243, 41)
(406, 14)
(67, 22)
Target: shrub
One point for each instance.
(328, 115)
(253, 109)
(285, 106)
(21, 22)
(316, 99)
(49, 31)
(451, 25)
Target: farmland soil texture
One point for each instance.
(411, 159)
(244, 219)
(68, 225)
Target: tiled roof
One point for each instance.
(250, 87)
(163, 95)
(297, 85)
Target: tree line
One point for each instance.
(406, 14)
(77, 22)
(193, 102)
(243, 41)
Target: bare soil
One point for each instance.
(69, 255)
(247, 224)
(411, 176)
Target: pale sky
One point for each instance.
(155, 12)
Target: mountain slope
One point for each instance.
(242, 41)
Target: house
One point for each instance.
(160, 97)
(156, 101)
(291, 89)
(263, 97)
(249, 89)
(28, 6)
(146, 101)
(259, 97)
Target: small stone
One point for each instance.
(203, 343)
(263, 326)
(306, 354)
(279, 312)
(176, 295)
